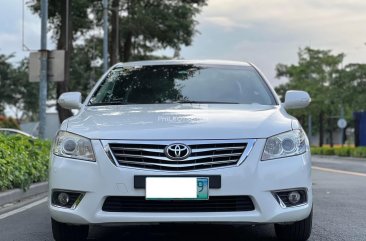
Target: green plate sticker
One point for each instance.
(202, 188)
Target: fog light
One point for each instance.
(291, 198)
(294, 197)
(63, 198)
(66, 199)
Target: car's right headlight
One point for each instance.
(73, 146)
(284, 145)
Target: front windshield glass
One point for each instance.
(158, 84)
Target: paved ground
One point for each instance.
(352, 164)
(339, 214)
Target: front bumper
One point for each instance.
(253, 178)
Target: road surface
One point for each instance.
(339, 215)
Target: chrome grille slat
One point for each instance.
(204, 154)
(218, 149)
(139, 149)
(180, 165)
(187, 159)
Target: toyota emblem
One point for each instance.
(177, 151)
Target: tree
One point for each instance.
(5, 81)
(25, 93)
(317, 72)
(140, 26)
(8, 123)
(352, 86)
(84, 76)
(146, 26)
(64, 33)
(16, 92)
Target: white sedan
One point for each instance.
(181, 141)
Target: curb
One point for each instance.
(18, 194)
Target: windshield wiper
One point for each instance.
(204, 102)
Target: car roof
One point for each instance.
(183, 62)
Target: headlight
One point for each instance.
(73, 146)
(286, 144)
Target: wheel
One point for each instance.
(66, 232)
(298, 231)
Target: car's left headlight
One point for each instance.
(286, 144)
(73, 146)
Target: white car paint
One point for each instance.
(181, 123)
(164, 121)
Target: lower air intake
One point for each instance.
(214, 204)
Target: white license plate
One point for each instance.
(177, 188)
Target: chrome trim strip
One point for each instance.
(75, 204)
(280, 202)
(163, 158)
(110, 155)
(248, 149)
(168, 142)
(78, 200)
(139, 149)
(197, 150)
(180, 165)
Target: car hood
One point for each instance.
(180, 121)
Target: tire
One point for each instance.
(298, 231)
(66, 232)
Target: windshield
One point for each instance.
(182, 84)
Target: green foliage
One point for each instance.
(8, 123)
(16, 91)
(330, 85)
(83, 76)
(344, 151)
(145, 25)
(353, 86)
(24, 94)
(150, 25)
(359, 152)
(315, 73)
(6, 81)
(23, 161)
(315, 150)
(142, 26)
(328, 151)
(79, 14)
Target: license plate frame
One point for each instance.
(177, 188)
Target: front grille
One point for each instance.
(203, 155)
(214, 204)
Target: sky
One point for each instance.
(264, 32)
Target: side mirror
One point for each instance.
(70, 100)
(295, 99)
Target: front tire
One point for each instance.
(66, 232)
(298, 231)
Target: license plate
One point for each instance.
(173, 188)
